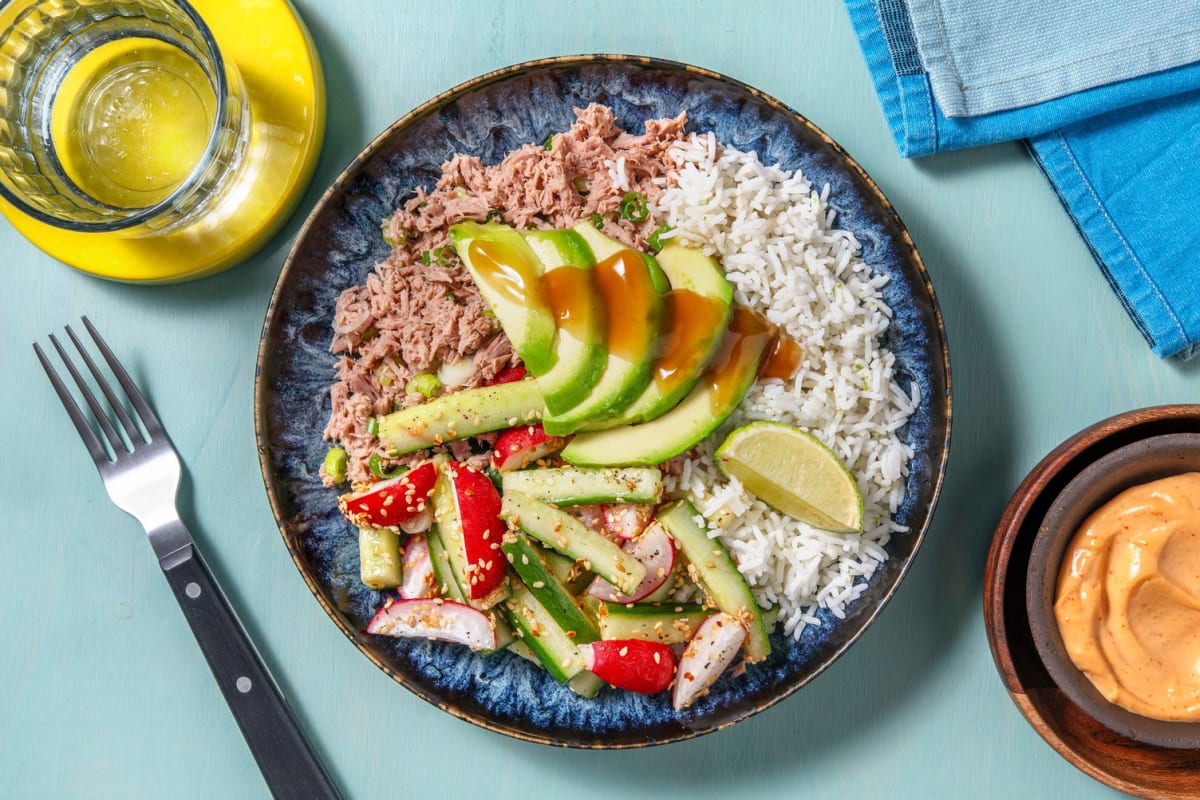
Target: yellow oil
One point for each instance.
(131, 121)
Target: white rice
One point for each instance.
(774, 234)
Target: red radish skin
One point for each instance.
(519, 447)
(477, 504)
(711, 651)
(394, 502)
(444, 620)
(656, 550)
(627, 520)
(630, 664)
(507, 375)
(419, 581)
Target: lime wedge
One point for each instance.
(792, 472)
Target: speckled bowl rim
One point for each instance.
(1049, 547)
(941, 448)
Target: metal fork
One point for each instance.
(141, 474)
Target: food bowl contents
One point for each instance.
(1128, 599)
(534, 384)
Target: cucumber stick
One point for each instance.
(549, 591)
(379, 558)
(442, 571)
(444, 574)
(461, 414)
(562, 532)
(672, 623)
(718, 574)
(573, 486)
(541, 634)
(571, 575)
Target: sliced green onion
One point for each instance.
(580, 183)
(384, 375)
(597, 221)
(335, 464)
(494, 476)
(634, 207)
(425, 384)
(375, 464)
(384, 228)
(549, 141)
(372, 426)
(425, 257)
(443, 255)
(653, 241)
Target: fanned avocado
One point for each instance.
(698, 308)
(706, 406)
(508, 274)
(631, 286)
(579, 346)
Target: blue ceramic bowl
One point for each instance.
(340, 243)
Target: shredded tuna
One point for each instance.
(420, 308)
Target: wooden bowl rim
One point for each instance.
(1011, 526)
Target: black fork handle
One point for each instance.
(288, 764)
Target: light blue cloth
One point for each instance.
(1123, 157)
(1130, 180)
(985, 56)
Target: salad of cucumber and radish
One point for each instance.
(566, 550)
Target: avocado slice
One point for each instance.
(631, 286)
(509, 276)
(579, 346)
(705, 407)
(697, 314)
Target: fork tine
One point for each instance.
(95, 448)
(153, 426)
(102, 418)
(130, 428)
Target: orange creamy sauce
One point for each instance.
(1128, 603)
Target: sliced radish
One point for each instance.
(419, 581)
(715, 646)
(507, 375)
(627, 520)
(419, 522)
(444, 620)
(630, 664)
(590, 515)
(394, 502)
(521, 446)
(656, 550)
(477, 504)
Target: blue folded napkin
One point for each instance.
(1108, 95)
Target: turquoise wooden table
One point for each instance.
(103, 692)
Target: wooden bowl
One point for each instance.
(1132, 465)
(1123, 763)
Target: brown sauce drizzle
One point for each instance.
(783, 358)
(691, 320)
(572, 296)
(624, 284)
(748, 337)
(508, 271)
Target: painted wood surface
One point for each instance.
(102, 691)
